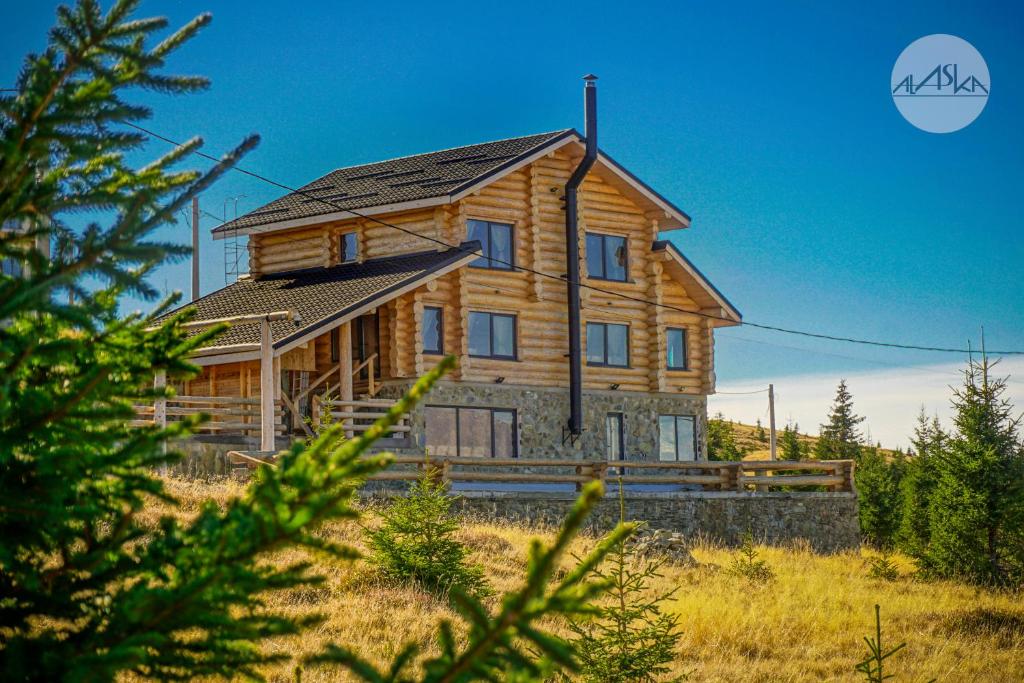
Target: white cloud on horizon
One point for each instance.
(890, 399)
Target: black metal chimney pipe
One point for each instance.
(572, 256)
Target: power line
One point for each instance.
(742, 393)
(514, 266)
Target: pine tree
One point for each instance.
(721, 441)
(86, 591)
(627, 638)
(878, 497)
(789, 444)
(840, 438)
(760, 433)
(976, 509)
(917, 485)
(416, 542)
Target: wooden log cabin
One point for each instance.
(464, 252)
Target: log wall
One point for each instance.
(531, 199)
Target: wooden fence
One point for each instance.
(764, 475)
(228, 414)
(358, 415)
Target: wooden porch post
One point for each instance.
(345, 367)
(266, 387)
(160, 404)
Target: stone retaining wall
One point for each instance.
(827, 521)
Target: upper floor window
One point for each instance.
(608, 344)
(606, 257)
(492, 335)
(433, 330)
(495, 242)
(676, 352)
(348, 247)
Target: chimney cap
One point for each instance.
(590, 78)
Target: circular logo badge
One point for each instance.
(940, 83)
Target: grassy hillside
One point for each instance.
(746, 437)
(806, 625)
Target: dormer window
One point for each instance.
(348, 247)
(495, 244)
(606, 257)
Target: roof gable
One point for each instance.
(697, 285)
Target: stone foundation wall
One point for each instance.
(543, 412)
(827, 521)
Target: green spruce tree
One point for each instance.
(879, 506)
(760, 433)
(929, 443)
(789, 445)
(840, 438)
(976, 509)
(627, 638)
(87, 591)
(721, 440)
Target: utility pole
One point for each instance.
(195, 248)
(771, 418)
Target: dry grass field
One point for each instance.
(805, 625)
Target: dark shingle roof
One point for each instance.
(320, 295)
(423, 176)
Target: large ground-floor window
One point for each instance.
(677, 437)
(471, 432)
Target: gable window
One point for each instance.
(348, 247)
(606, 257)
(433, 330)
(676, 351)
(608, 344)
(492, 335)
(677, 437)
(495, 243)
(471, 432)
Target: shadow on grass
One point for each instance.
(1006, 627)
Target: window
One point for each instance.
(495, 242)
(608, 344)
(676, 348)
(606, 257)
(492, 335)
(335, 345)
(433, 330)
(614, 445)
(677, 437)
(348, 247)
(471, 432)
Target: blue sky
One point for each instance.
(815, 205)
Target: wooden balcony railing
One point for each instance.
(228, 414)
(357, 415)
(749, 476)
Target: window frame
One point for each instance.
(686, 349)
(604, 263)
(439, 351)
(605, 363)
(491, 410)
(341, 247)
(515, 335)
(621, 417)
(675, 436)
(485, 249)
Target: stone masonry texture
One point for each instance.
(543, 412)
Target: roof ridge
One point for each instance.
(552, 133)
